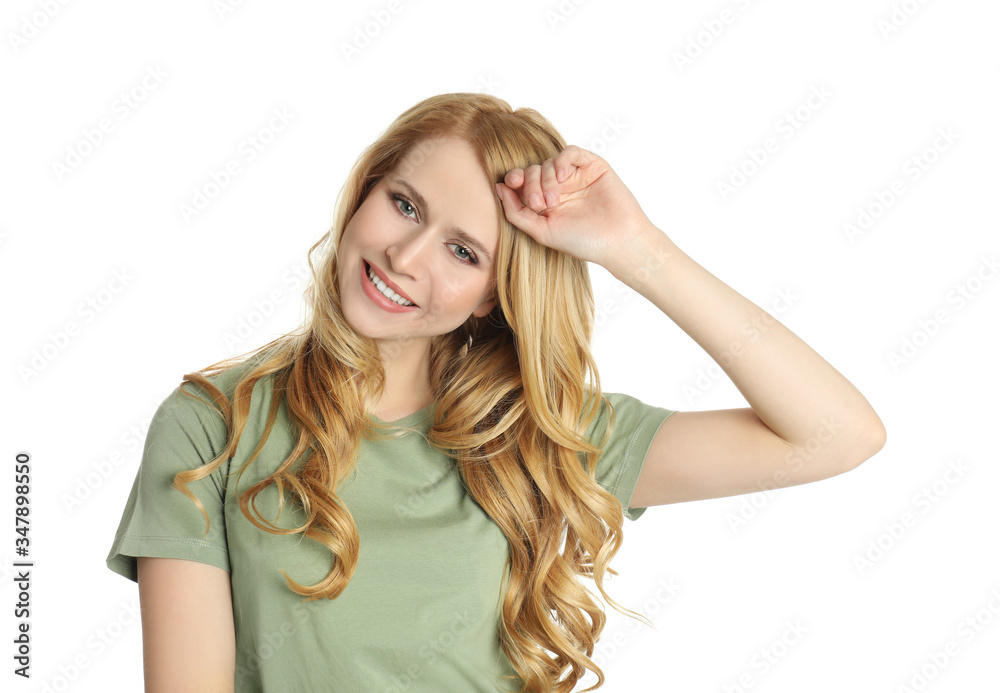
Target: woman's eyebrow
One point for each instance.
(462, 235)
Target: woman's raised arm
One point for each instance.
(805, 421)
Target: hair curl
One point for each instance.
(511, 391)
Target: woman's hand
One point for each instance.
(574, 203)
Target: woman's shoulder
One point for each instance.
(625, 412)
(227, 375)
(193, 402)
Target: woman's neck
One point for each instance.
(393, 407)
(407, 386)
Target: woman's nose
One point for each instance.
(409, 254)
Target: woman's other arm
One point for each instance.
(805, 422)
(188, 635)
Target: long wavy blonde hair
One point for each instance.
(513, 403)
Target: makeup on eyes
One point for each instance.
(465, 238)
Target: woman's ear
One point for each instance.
(484, 308)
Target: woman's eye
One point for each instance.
(468, 257)
(404, 207)
(402, 204)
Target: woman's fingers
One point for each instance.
(538, 185)
(518, 214)
(541, 189)
(550, 185)
(571, 158)
(531, 191)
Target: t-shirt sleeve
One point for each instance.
(620, 463)
(159, 520)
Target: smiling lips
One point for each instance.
(393, 287)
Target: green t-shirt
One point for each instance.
(422, 610)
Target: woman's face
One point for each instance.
(428, 230)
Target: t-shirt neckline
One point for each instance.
(411, 419)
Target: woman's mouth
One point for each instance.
(384, 291)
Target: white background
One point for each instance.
(80, 403)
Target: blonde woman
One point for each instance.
(401, 494)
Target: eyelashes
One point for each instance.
(400, 198)
(396, 199)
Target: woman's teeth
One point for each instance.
(386, 291)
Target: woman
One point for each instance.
(431, 430)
